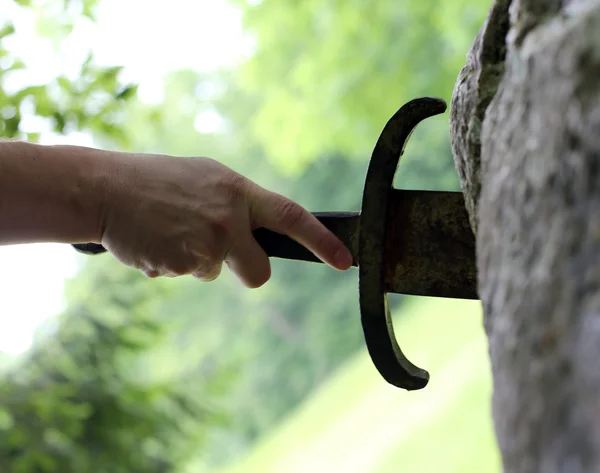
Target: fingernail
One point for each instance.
(343, 258)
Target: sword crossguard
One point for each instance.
(369, 252)
(376, 319)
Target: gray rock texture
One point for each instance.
(526, 142)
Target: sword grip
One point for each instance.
(342, 224)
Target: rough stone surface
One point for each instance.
(474, 89)
(535, 197)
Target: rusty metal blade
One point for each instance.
(429, 245)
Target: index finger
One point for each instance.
(278, 213)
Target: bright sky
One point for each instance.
(149, 39)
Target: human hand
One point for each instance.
(172, 216)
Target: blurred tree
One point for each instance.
(332, 73)
(90, 102)
(77, 402)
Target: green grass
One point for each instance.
(357, 423)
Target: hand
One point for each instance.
(171, 216)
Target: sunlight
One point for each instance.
(32, 284)
(32, 277)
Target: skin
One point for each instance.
(163, 215)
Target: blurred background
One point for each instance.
(105, 371)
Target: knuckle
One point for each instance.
(236, 185)
(231, 185)
(208, 272)
(289, 213)
(221, 228)
(221, 225)
(150, 273)
(326, 241)
(194, 255)
(179, 268)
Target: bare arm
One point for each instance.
(50, 193)
(163, 215)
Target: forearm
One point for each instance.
(51, 193)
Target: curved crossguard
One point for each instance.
(376, 320)
(403, 241)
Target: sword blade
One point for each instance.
(429, 245)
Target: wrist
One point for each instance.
(57, 193)
(76, 205)
(93, 177)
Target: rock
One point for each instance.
(526, 140)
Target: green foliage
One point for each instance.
(56, 19)
(77, 403)
(91, 102)
(357, 422)
(332, 72)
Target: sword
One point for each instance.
(402, 241)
